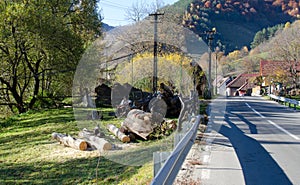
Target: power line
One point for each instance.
(114, 6)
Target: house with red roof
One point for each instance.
(272, 72)
(242, 85)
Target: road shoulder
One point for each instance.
(212, 160)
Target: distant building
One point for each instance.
(243, 84)
(221, 83)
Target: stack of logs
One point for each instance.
(95, 139)
(90, 141)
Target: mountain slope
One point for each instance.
(106, 27)
(237, 21)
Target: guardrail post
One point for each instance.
(159, 158)
(178, 137)
(186, 125)
(167, 174)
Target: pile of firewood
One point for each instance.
(87, 141)
(166, 128)
(138, 124)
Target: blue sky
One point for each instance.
(114, 11)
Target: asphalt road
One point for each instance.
(250, 141)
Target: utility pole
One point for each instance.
(132, 80)
(131, 61)
(210, 34)
(154, 78)
(217, 52)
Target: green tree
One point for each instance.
(40, 42)
(265, 34)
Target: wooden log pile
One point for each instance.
(137, 124)
(117, 132)
(166, 128)
(88, 140)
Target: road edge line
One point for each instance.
(274, 124)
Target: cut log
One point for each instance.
(140, 123)
(95, 142)
(69, 141)
(113, 129)
(100, 143)
(85, 133)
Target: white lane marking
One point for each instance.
(274, 124)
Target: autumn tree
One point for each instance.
(40, 46)
(286, 47)
(173, 69)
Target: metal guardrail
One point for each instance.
(285, 100)
(167, 174)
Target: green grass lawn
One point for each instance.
(28, 155)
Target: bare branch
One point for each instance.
(137, 12)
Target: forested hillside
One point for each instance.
(280, 46)
(236, 21)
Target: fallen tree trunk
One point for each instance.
(113, 129)
(140, 123)
(95, 142)
(67, 140)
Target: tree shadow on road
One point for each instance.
(258, 165)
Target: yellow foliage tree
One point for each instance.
(287, 25)
(173, 70)
(234, 54)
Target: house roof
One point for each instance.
(224, 80)
(243, 87)
(245, 80)
(220, 80)
(268, 67)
